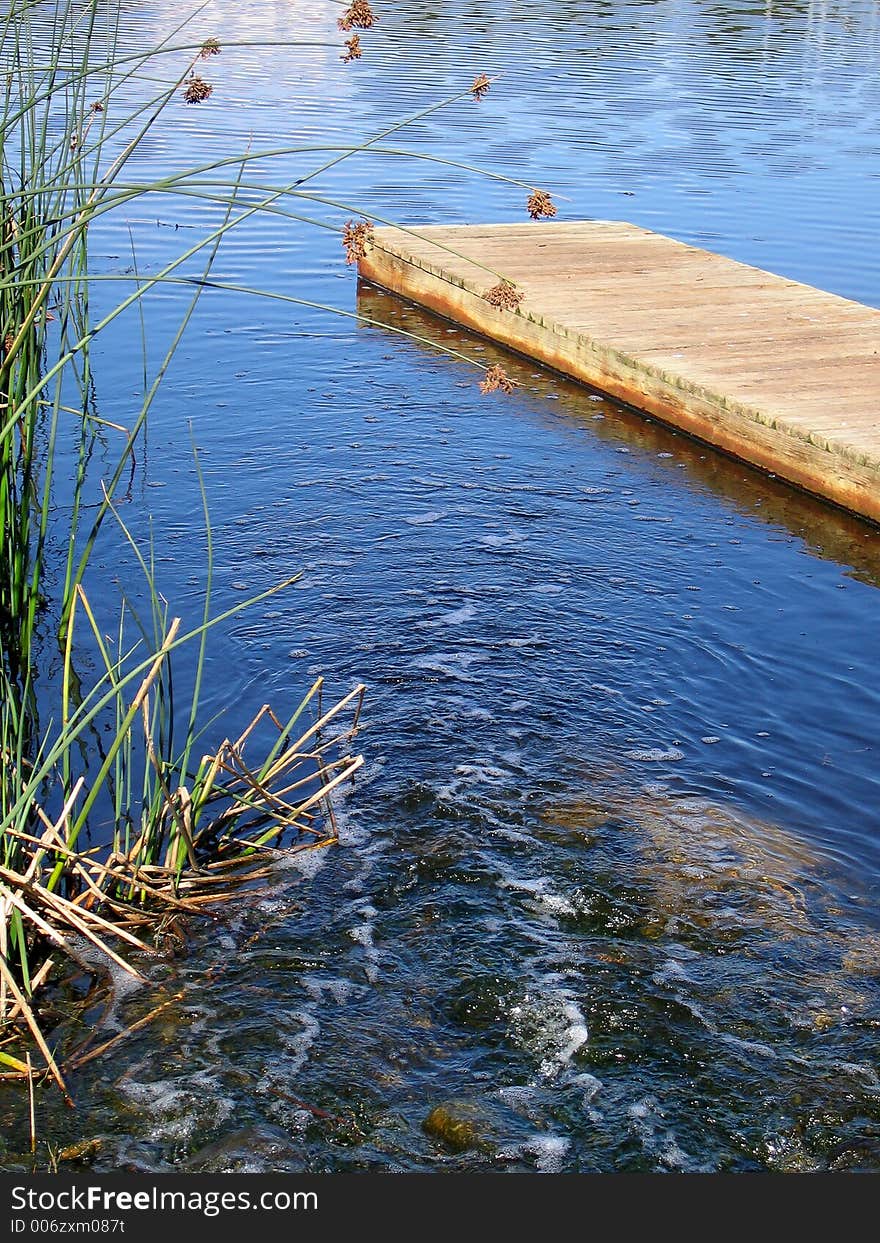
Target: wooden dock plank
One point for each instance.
(782, 375)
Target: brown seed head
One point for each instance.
(504, 295)
(209, 48)
(196, 90)
(496, 380)
(539, 203)
(358, 16)
(356, 238)
(97, 106)
(480, 87)
(355, 51)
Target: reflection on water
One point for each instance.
(828, 532)
(607, 897)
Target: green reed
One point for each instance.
(178, 825)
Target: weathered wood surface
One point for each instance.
(782, 375)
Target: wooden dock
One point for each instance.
(779, 374)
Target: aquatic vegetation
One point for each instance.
(540, 205)
(183, 831)
(481, 85)
(353, 50)
(504, 295)
(197, 90)
(357, 238)
(113, 827)
(358, 15)
(497, 380)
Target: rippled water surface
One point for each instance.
(608, 893)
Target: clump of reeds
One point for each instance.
(480, 86)
(504, 295)
(359, 15)
(497, 380)
(196, 90)
(106, 748)
(183, 829)
(539, 204)
(353, 51)
(357, 238)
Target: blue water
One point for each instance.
(609, 887)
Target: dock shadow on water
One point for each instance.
(827, 531)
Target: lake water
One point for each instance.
(608, 890)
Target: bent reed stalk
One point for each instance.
(111, 756)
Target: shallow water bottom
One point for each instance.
(614, 981)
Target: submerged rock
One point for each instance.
(247, 1150)
(452, 1126)
(83, 1150)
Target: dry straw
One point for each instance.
(480, 87)
(358, 16)
(497, 380)
(504, 295)
(188, 830)
(539, 204)
(357, 238)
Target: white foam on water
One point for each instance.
(652, 755)
(273, 906)
(367, 859)
(669, 971)
(513, 835)
(552, 1027)
(557, 904)
(865, 1072)
(547, 589)
(576, 1035)
(122, 982)
(749, 1046)
(427, 518)
(511, 540)
(362, 934)
(548, 1150)
(174, 1110)
(546, 899)
(468, 777)
(351, 831)
(484, 774)
(591, 1088)
(300, 1043)
(340, 990)
(455, 617)
(307, 862)
(430, 481)
(450, 664)
(521, 1097)
(658, 1140)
